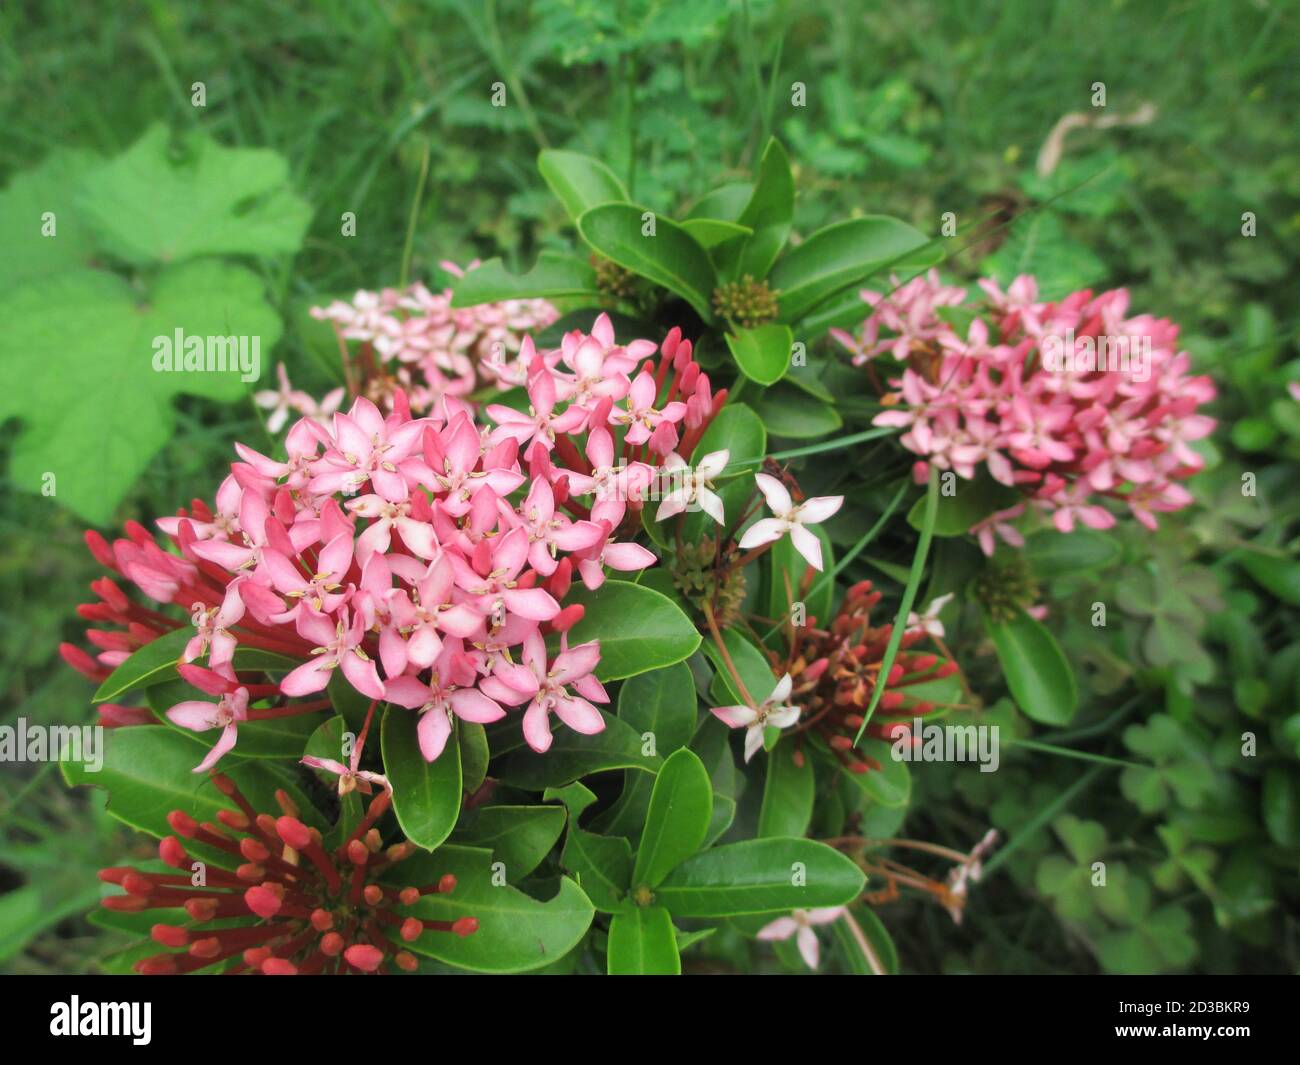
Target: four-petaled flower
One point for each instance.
(800, 924)
(773, 712)
(792, 518)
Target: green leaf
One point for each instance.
(519, 836)
(474, 755)
(554, 276)
(602, 865)
(1281, 576)
(738, 430)
(792, 414)
(155, 204)
(348, 703)
(153, 663)
(971, 503)
(661, 702)
(1036, 669)
(891, 784)
(94, 329)
(671, 257)
(639, 629)
(725, 204)
(710, 232)
(680, 809)
(787, 793)
(573, 755)
(845, 254)
(1052, 553)
(1281, 806)
(785, 564)
(579, 181)
(661, 705)
(642, 943)
(1037, 243)
(147, 772)
(884, 955)
(760, 876)
(769, 213)
(763, 353)
(426, 795)
(750, 663)
(516, 932)
(50, 187)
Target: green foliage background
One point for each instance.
(913, 109)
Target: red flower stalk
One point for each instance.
(836, 670)
(314, 911)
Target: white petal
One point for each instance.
(819, 508)
(762, 532)
(807, 544)
(778, 499)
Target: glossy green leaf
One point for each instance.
(787, 792)
(845, 254)
(426, 795)
(762, 353)
(769, 213)
(793, 414)
(474, 755)
(710, 232)
(553, 276)
(579, 181)
(970, 503)
(890, 785)
(760, 876)
(518, 836)
(153, 663)
(1036, 669)
(750, 663)
(639, 629)
(148, 772)
(726, 203)
(642, 943)
(573, 755)
(516, 932)
(670, 257)
(681, 807)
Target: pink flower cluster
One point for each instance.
(1072, 402)
(396, 550)
(413, 339)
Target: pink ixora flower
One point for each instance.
(548, 690)
(394, 555)
(772, 712)
(1073, 403)
(693, 487)
(800, 924)
(790, 518)
(226, 714)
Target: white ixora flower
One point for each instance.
(693, 486)
(774, 712)
(928, 621)
(790, 518)
(800, 924)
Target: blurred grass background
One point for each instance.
(914, 108)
